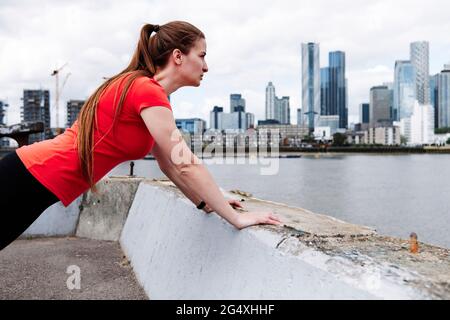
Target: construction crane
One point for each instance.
(58, 92)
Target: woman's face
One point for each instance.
(193, 65)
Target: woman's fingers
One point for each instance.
(235, 204)
(273, 219)
(207, 209)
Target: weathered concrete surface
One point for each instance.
(103, 215)
(36, 269)
(57, 220)
(179, 252)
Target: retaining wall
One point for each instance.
(179, 252)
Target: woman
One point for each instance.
(127, 117)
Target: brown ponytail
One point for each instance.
(152, 52)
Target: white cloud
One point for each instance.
(249, 44)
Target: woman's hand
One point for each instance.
(234, 203)
(248, 219)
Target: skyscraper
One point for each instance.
(250, 120)
(241, 117)
(434, 98)
(444, 97)
(419, 56)
(338, 87)
(36, 107)
(282, 110)
(311, 82)
(277, 108)
(2, 112)
(73, 109)
(419, 127)
(215, 119)
(380, 106)
(270, 101)
(404, 90)
(236, 101)
(299, 117)
(333, 88)
(3, 141)
(364, 116)
(325, 91)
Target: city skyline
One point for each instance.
(239, 58)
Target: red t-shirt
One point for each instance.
(55, 162)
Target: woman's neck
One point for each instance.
(167, 80)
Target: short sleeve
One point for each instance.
(149, 94)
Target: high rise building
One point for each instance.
(299, 117)
(270, 101)
(241, 117)
(311, 82)
(325, 91)
(4, 142)
(3, 105)
(380, 106)
(36, 107)
(236, 101)
(419, 127)
(73, 109)
(215, 118)
(404, 90)
(444, 97)
(250, 120)
(338, 87)
(333, 88)
(277, 108)
(419, 56)
(364, 113)
(434, 98)
(283, 110)
(236, 120)
(191, 125)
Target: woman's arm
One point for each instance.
(166, 168)
(177, 158)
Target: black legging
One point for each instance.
(23, 199)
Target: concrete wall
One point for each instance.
(103, 215)
(179, 252)
(57, 220)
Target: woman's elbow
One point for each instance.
(186, 170)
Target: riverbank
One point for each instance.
(369, 149)
(294, 152)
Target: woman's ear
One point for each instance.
(177, 56)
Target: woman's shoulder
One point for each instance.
(145, 85)
(148, 92)
(144, 81)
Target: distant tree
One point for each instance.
(403, 140)
(308, 139)
(448, 141)
(339, 139)
(442, 130)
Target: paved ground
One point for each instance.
(37, 269)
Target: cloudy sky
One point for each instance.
(249, 43)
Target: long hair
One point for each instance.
(152, 51)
